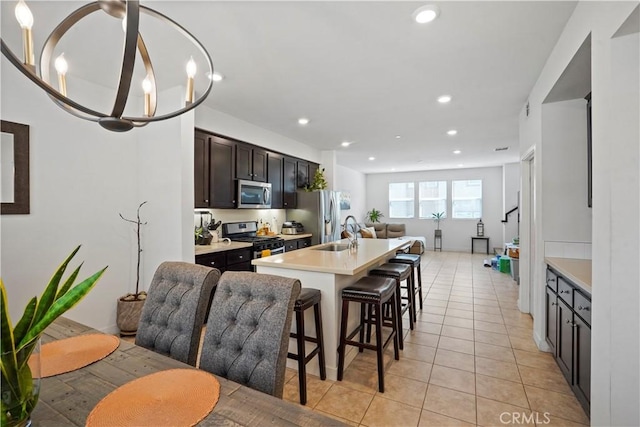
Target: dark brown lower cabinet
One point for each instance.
(234, 260)
(295, 244)
(568, 333)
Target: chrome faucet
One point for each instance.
(353, 241)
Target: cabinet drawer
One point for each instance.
(216, 260)
(582, 306)
(552, 280)
(304, 243)
(290, 245)
(565, 291)
(236, 257)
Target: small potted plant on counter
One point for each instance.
(130, 305)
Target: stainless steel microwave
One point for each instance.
(254, 195)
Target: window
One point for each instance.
(466, 199)
(433, 198)
(401, 200)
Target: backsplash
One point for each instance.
(234, 215)
(575, 250)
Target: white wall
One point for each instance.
(615, 340)
(456, 233)
(82, 176)
(566, 216)
(511, 187)
(355, 183)
(624, 186)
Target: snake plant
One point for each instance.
(19, 393)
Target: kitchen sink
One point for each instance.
(333, 248)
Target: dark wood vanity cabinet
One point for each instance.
(251, 162)
(568, 332)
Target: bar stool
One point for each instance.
(369, 292)
(399, 272)
(414, 261)
(308, 298)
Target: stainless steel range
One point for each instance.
(247, 232)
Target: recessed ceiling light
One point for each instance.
(398, 137)
(452, 132)
(216, 77)
(425, 14)
(457, 152)
(460, 165)
(345, 143)
(303, 121)
(393, 169)
(372, 158)
(444, 99)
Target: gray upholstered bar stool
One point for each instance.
(372, 292)
(308, 298)
(399, 272)
(414, 261)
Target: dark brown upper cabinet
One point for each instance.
(251, 162)
(275, 176)
(303, 174)
(289, 183)
(214, 171)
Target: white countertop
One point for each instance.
(347, 262)
(576, 270)
(221, 247)
(295, 236)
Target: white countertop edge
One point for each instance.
(570, 268)
(220, 247)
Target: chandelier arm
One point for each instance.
(53, 93)
(128, 58)
(148, 67)
(202, 50)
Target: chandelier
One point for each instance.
(129, 12)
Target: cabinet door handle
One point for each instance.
(583, 308)
(554, 303)
(240, 256)
(551, 279)
(212, 263)
(569, 322)
(565, 292)
(206, 200)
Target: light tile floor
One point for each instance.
(469, 361)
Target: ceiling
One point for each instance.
(361, 71)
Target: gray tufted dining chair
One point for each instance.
(248, 329)
(175, 309)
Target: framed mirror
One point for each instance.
(14, 168)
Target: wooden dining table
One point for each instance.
(67, 399)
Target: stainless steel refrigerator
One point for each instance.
(319, 213)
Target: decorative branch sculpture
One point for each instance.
(138, 224)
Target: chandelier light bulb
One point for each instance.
(191, 68)
(61, 65)
(24, 15)
(191, 72)
(147, 87)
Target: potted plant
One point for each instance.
(373, 215)
(130, 306)
(437, 217)
(20, 376)
(318, 181)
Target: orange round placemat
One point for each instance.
(177, 397)
(69, 354)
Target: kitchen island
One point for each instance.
(330, 272)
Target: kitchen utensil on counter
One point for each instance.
(217, 225)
